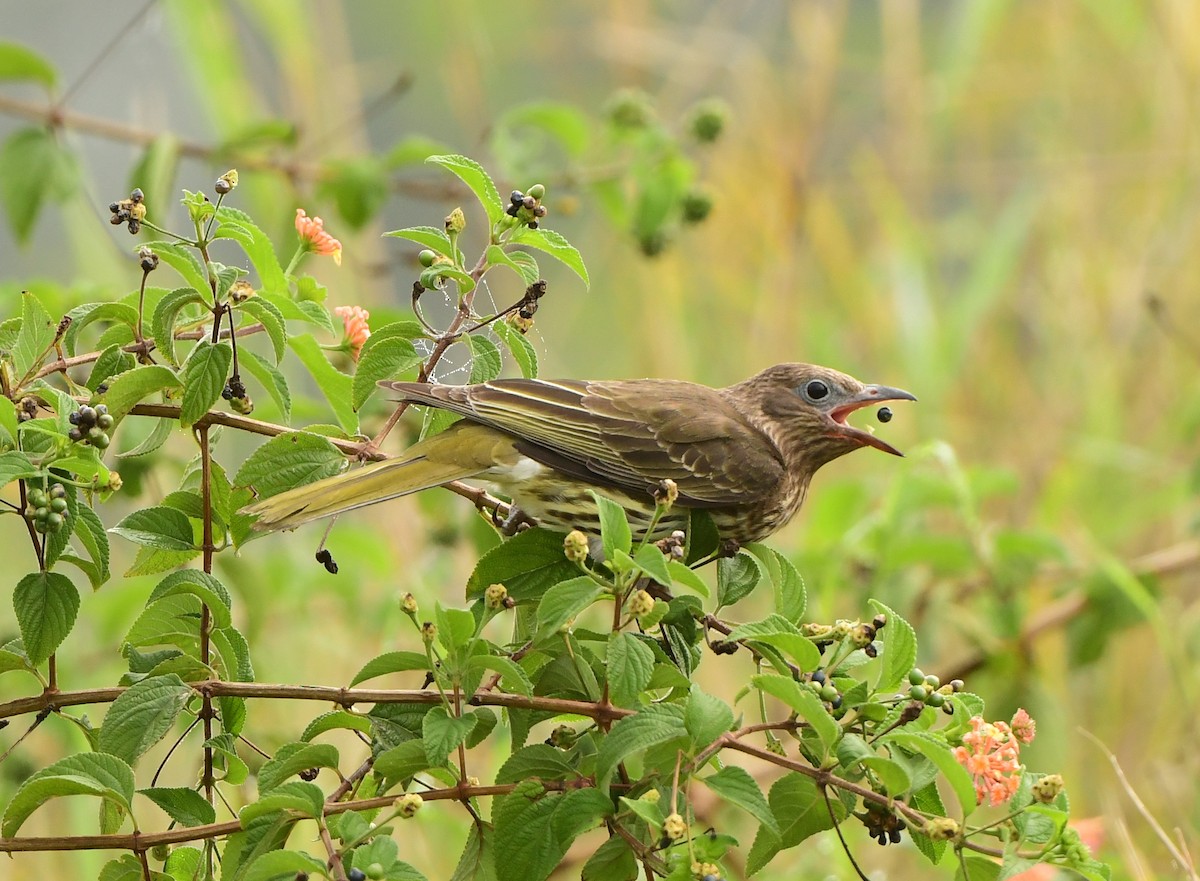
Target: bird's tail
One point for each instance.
(455, 454)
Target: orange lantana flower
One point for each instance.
(315, 238)
(354, 321)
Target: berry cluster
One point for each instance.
(825, 689)
(930, 691)
(527, 207)
(235, 393)
(91, 426)
(47, 511)
(882, 825)
(131, 211)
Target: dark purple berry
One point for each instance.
(885, 414)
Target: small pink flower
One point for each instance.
(1023, 727)
(315, 238)
(354, 322)
(991, 755)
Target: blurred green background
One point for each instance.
(993, 204)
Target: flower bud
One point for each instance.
(941, 828)
(456, 221)
(494, 596)
(226, 182)
(674, 827)
(407, 805)
(666, 494)
(651, 796)
(147, 259)
(241, 291)
(408, 605)
(1048, 788)
(429, 631)
(640, 604)
(708, 119)
(538, 191)
(575, 546)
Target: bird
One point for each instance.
(745, 453)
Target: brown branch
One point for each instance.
(145, 347)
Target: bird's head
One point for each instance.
(805, 408)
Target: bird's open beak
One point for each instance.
(872, 394)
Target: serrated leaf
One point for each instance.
(46, 604)
(527, 564)
(183, 261)
(82, 316)
(157, 527)
(563, 602)
(556, 246)
(403, 760)
(291, 759)
(134, 386)
(650, 560)
(539, 760)
(385, 360)
(805, 702)
(629, 666)
(81, 774)
(287, 461)
(737, 577)
(653, 725)
(524, 823)
(441, 732)
(519, 347)
(899, 648)
(777, 631)
(112, 361)
(706, 717)
(37, 331)
(14, 466)
(513, 677)
(790, 595)
(614, 526)
(337, 387)
(200, 584)
(941, 756)
(162, 324)
(429, 236)
(299, 796)
(281, 865)
(89, 530)
(257, 246)
(272, 321)
(141, 716)
(737, 787)
(270, 379)
(614, 860)
(472, 174)
(390, 662)
(800, 812)
(35, 168)
(185, 806)
(486, 363)
(158, 436)
(204, 377)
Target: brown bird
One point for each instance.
(745, 453)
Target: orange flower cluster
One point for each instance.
(315, 238)
(991, 754)
(354, 322)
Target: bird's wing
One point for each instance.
(628, 434)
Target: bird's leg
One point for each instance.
(516, 518)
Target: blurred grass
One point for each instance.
(970, 201)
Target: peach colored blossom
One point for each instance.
(315, 238)
(1024, 728)
(354, 322)
(991, 755)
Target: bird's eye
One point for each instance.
(816, 390)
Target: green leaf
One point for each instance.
(183, 261)
(929, 801)
(82, 316)
(527, 564)
(800, 811)
(162, 324)
(292, 758)
(185, 806)
(650, 560)
(941, 756)
(556, 246)
(737, 787)
(629, 666)
(519, 347)
(513, 677)
(204, 377)
(157, 527)
(280, 865)
(706, 717)
(337, 387)
(35, 167)
(14, 466)
(141, 716)
(403, 760)
(614, 526)
(36, 335)
(472, 174)
(539, 760)
(8, 422)
(442, 732)
(563, 602)
(287, 461)
(485, 358)
(46, 604)
(390, 662)
(614, 860)
(737, 576)
(977, 869)
(790, 595)
(456, 627)
(300, 796)
(18, 62)
(111, 362)
(81, 774)
(578, 811)
(526, 269)
(238, 226)
(899, 649)
(134, 386)
(429, 236)
(805, 702)
(478, 860)
(385, 360)
(272, 321)
(525, 824)
(777, 631)
(270, 379)
(655, 724)
(201, 585)
(15, 660)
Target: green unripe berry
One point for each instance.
(937, 699)
(537, 191)
(30, 512)
(41, 514)
(919, 693)
(58, 491)
(932, 681)
(828, 693)
(708, 120)
(102, 442)
(105, 421)
(375, 871)
(37, 498)
(427, 257)
(916, 676)
(160, 852)
(54, 522)
(40, 526)
(58, 505)
(94, 432)
(696, 205)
